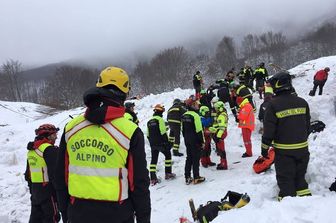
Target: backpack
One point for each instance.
(316, 126)
(209, 211)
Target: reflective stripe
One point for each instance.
(92, 171)
(303, 192)
(291, 112)
(45, 174)
(173, 109)
(76, 129)
(117, 135)
(124, 184)
(291, 146)
(35, 170)
(264, 146)
(39, 152)
(174, 121)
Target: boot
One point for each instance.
(222, 165)
(188, 180)
(177, 153)
(198, 180)
(246, 155)
(155, 181)
(209, 162)
(170, 176)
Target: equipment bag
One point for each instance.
(234, 200)
(316, 126)
(208, 212)
(264, 163)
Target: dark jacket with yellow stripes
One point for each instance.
(286, 123)
(175, 113)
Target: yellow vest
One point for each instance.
(37, 165)
(97, 158)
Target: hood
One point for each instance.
(101, 115)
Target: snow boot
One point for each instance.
(246, 155)
(155, 181)
(188, 180)
(209, 162)
(198, 180)
(222, 165)
(177, 153)
(170, 176)
(311, 93)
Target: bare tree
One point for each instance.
(226, 53)
(11, 69)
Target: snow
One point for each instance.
(170, 198)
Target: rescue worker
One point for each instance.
(174, 121)
(41, 162)
(224, 95)
(246, 123)
(245, 76)
(207, 122)
(158, 140)
(101, 171)
(260, 75)
(219, 130)
(206, 97)
(129, 112)
(242, 91)
(320, 78)
(286, 127)
(194, 141)
(198, 84)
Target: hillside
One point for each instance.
(170, 198)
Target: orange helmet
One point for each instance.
(159, 108)
(46, 129)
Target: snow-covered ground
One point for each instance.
(170, 198)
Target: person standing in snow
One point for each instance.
(246, 123)
(260, 75)
(41, 162)
(198, 84)
(207, 122)
(194, 141)
(320, 78)
(174, 121)
(286, 128)
(267, 97)
(219, 130)
(101, 173)
(158, 140)
(129, 112)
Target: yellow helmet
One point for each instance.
(114, 76)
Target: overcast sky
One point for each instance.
(45, 31)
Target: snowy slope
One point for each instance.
(170, 198)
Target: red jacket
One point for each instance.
(246, 115)
(321, 75)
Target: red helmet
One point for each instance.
(46, 129)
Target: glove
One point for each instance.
(264, 152)
(212, 129)
(333, 186)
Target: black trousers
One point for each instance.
(45, 212)
(89, 211)
(192, 160)
(319, 84)
(291, 167)
(175, 132)
(155, 150)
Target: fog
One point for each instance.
(37, 32)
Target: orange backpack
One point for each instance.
(264, 163)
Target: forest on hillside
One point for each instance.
(171, 68)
